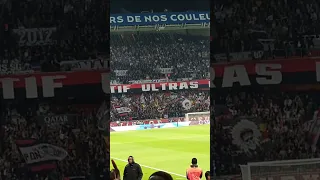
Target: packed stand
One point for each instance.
(142, 6)
(284, 121)
(78, 136)
(279, 28)
(40, 34)
(144, 54)
(158, 105)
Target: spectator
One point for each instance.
(40, 35)
(194, 172)
(207, 175)
(158, 105)
(71, 128)
(283, 120)
(132, 171)
(158, 56)
(115, 172)
(160, 175)
(280, 29)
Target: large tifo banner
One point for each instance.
(46, 85)
(40, 156)
(160, 86)
(289, 73)
(159, 18)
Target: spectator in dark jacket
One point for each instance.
(132, 171)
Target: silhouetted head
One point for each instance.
(160, 175)
(207, 175)
(130, 160)
(194, 161)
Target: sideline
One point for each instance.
(150, 167)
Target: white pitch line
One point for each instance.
(149, 167)
(180, 138)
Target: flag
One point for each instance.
(123, 111)
(40, 156)
(314, 130)
(103, 117)
(186, 104)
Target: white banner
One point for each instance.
(79, 65)
(148, 81)
(165, 70)
(121, 72)
(239, 56)
(122, 110)
(42, 152)
(14, 66)
(35, 36)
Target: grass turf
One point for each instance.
(170, 149)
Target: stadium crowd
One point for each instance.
(77, 133)
(39, 35)
(139, 57)
(278, 28)
(158, 105)
(158, 56)
(284, 120)
(142, 6)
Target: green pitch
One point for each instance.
(169, 150)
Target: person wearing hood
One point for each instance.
(132, 171)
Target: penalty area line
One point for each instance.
(149, 167)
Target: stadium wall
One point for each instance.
(154, 124)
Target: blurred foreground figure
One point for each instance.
(114, 173)
(160, 175)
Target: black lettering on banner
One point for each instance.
(51, 151)
(26, 157)
(35, 155)
(35, 36)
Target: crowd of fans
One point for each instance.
(279, 28)
(80, 136)
(142, 55)
(39, 35)
(284, 120)
(138, 6)
(158, 105)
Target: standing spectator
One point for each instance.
(132, 171)
(194, 172)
